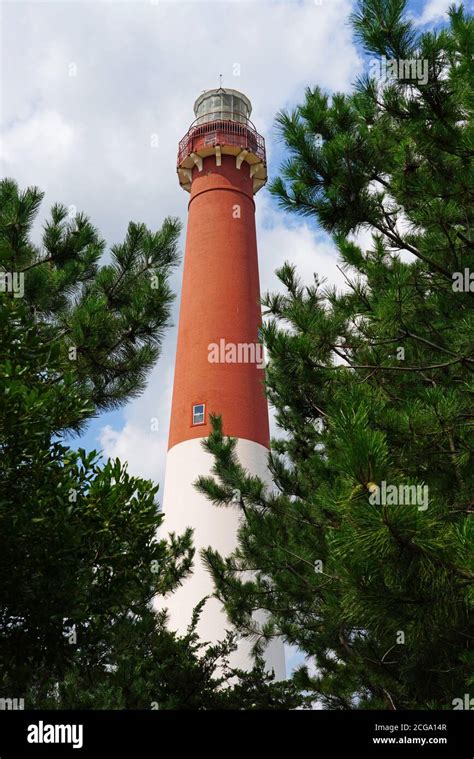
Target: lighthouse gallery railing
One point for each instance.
(221, 132)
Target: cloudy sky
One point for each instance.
(87, 86)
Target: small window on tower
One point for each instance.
(199, 411)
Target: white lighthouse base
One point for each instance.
(213, 526)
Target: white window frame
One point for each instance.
(201, 414)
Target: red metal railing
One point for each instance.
(221, 132)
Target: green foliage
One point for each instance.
(145, 666)
(370, 385)
(113, 315)
(80, 561)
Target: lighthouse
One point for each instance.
(219, 368)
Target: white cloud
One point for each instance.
(434, 10)
(118, 73)
(143, 440)
(92, 82)
(142, 449)
(300, 245)
(46, 136)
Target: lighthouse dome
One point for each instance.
(222, 127)
(222, 104)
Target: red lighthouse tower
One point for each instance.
(221, 163)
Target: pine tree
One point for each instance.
(80, 561)
(108, 320)
(363, 551)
